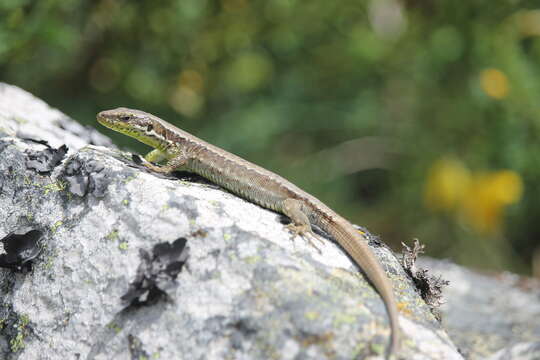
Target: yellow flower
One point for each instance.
(446, 184)
(494, 83)
(486, 199)
(477, 199)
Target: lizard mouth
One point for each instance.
(113, 123)
(104, 120)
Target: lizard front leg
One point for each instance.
(300, 223)
(155, 156)
(173, 164)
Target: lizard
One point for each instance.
(184, 151)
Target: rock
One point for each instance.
(25, 116)
(520, 351)
(137, 265)
(490, 313)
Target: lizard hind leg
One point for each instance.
(300, 224)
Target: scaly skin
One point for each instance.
(184, 151)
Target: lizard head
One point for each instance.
(135, 123)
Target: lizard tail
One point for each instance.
(356, 246)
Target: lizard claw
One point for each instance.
(306, 233)
(158, 169)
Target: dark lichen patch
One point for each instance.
(44, 161)
(242, 331)
(15, 328)
(36, 141)
(20, 249)
(373, 240)
(17, 343)
(86, 177)
(157, 272)
(429, 286)
(137, 159)
(136, 349)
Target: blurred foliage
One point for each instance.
(414, 118)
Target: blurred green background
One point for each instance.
(416, 119)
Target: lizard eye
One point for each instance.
(150, 127)
(125, 118)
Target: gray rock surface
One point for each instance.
(113, 281)
(25, 116)
(519, 351)
(490, 313)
